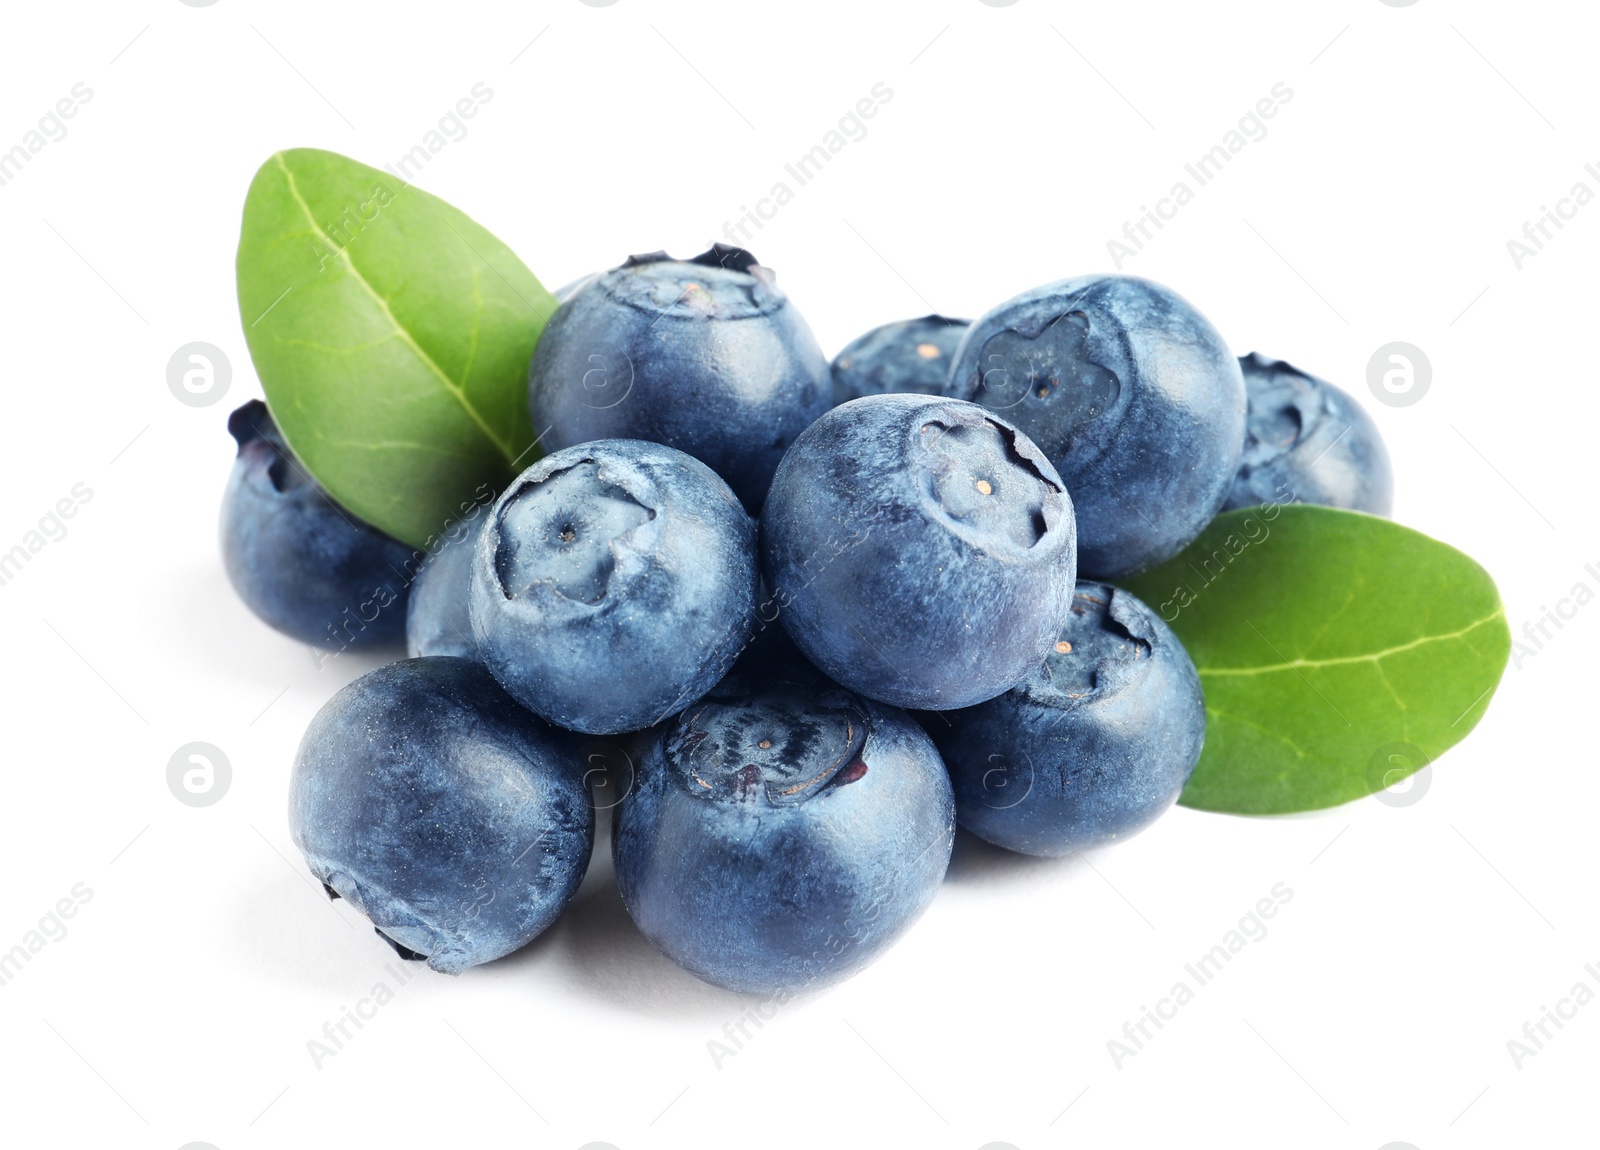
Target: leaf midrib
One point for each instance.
(451, 387)
(1346, 660)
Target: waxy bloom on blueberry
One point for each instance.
(301, 562)
(919, 550)
(1310, 442)
(1132, 395)
(706, 355)
(912, 355)
(1092, 746)
(448, 815)
(613, 584)
(437, 619)
(783, 833)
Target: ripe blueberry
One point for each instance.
(920, 551)
(301, 562)
(437, 619)
(1092, 746)
(706, 355)
(1308, 441)
(912, 355)
(1133, 396)
(448, 815)
(783, 833)
(613, 584)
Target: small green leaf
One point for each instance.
(1339, 653)
(392, 336)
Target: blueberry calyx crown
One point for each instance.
(977, 478)
(560, 531)
(405, 952)
(725, 256)
(251, 421)
(725, 283)
(1102, 645)
(257, 434)
(1285, 406)
(783, 745)
(1047, 372)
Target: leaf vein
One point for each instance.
(1348, 660)
(450, 385)
(1279, 736)
(397, 445)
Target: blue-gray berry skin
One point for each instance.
(1132, 395)
(783, 833)
(1090, 748)
(568, 290)
(913, 355)
(302, 563)
(438, 621)
(613, 584)
(706, 355)
(919, 550)
(448, 815)
(1307, 441)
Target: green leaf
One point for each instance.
(392, 336)
(1339, 653)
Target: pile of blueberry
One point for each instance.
(822, 613)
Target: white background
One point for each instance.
(1019, 139)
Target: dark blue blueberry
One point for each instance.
(1092, 746)
(437, 620)
(1310, 442)
(301, 562)
(613, 584)
(706, 355)
(448, 815)
(912, 355)
(1133, 396)
(919, 550)
(783, 833)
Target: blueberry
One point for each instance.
(453, 819)
(920, 551)
(568, 290)
(1310, 442)
(301, 562)
(1092, 746)
(1133, 396)
(783, 836)
(913, 355)
(613, 584)
(706, 355)
(437, 619)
